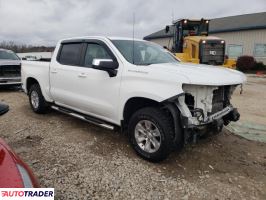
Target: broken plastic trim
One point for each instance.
(188, 121)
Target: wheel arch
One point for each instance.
(135, 103)
(29, 82)
(45, 89)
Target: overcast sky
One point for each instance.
(46, 21)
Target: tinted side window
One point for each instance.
(70, 54)
(95, 51)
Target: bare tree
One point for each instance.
(23, 48)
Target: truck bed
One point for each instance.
(39, 71)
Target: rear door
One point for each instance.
(65, 72)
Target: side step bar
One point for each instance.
(86, 118)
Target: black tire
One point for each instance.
(42, 106)
(3, 108)
(163, 123)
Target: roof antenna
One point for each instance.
(173, 16)
(133, 41)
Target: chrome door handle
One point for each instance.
(82, 75)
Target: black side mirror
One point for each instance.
(107, 65)
(3, 108)
(167, 28)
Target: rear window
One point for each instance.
(70, 54)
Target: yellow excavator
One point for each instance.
(191, 43)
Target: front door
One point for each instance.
(98, 92)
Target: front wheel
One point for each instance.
(37, 101)
(151, 134)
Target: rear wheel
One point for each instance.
(151, 134)
(37, 101)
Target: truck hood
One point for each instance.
(200, 74)
(9, 62)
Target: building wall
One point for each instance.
(247, 40)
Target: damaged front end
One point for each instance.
(204, 109)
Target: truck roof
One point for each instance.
(101, 37)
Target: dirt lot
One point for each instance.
(82, 161)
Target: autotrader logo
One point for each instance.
(27, 193)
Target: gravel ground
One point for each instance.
(82, 161)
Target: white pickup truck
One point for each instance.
(160, 102)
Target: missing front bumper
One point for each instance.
(229, 113)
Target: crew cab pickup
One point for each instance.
(136, 85)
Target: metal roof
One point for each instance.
(224, 24)
(161, 34)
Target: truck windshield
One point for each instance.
(8, 55)
(145, 53)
